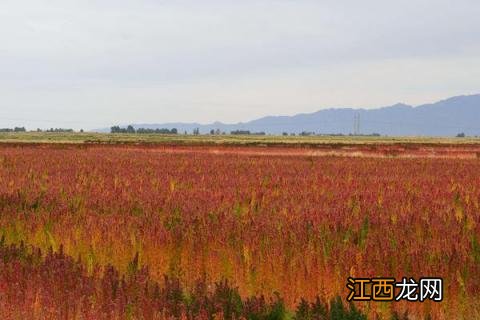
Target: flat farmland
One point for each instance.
(149, 231)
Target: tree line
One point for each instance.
(131, 129)
(22, 129)
(16, 129)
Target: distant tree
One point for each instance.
(284, 133)
(81, 130)
(307, 133)
(240, 132)
(196, 131)
(57, 130)
(212, 132)
(156, 131)
(461, 135)
(130, 129)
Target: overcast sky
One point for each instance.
(90, 64)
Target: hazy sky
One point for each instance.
(92, 63)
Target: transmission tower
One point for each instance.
(356, 124)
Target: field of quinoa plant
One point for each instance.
(91, 231)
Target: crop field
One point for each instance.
(110, 231)
(251, 140)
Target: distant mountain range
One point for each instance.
(444, 118)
